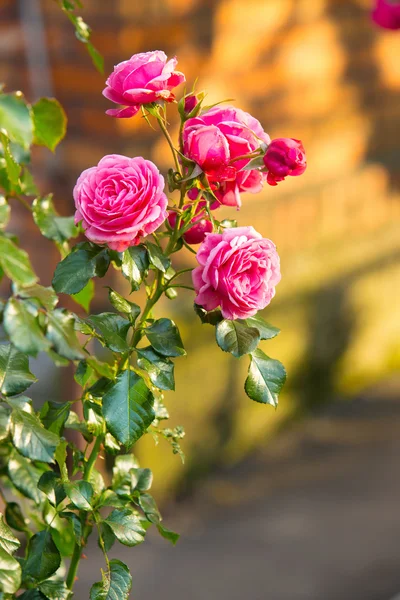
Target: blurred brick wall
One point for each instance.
(317, 70)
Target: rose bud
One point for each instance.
(284, 156)
(142, 79)
(196, 233)
(387, 14)
(190, 103)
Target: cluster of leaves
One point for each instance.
(266, 375)
(63, 496)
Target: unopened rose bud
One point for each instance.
(190, 103)
(197, 233)
(284, 157)
(387, 14)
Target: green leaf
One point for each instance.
(108, 536)
(265, 379)
(128, 408)
(96, 57)
(267, 331)
(51, 225)
(135, 264)
(4, 422)
(157, 257)
(123, 469)
(14, 516)
(93, 417)
(15, 117)
(102, 368)
(5, 212)
(115, 585)
(23, 328)
(49, 121)
(164, 336)
(122, 305)
(80, 493)
(236, 338)
(12, 167)
(32, 595)
(15, 376)
(8, 542)
(74, 272)
(169, 535)
(54, 590)
(54, 416)
(141, 479)
(126, 527)
(150, 509)
(43, 558)
(51, 485)
(159, 368)
(45, 295)
(25, 476)
(113, 329)
(61, 458)
(85, 296)
(61, 333)
(15, 263)
(10, 573)
(74, 521)
(30, 438)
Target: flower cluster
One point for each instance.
(223, 153)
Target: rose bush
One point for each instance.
(132, 227)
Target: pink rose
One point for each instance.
(120, 201)
(238, 271)
(284, 157)
(196, 233)
(387, 14)
(142, 79)
(214, 140)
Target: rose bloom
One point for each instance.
(284, 156)
(214, 140)
(142, 79)
(387, 14)
(238, 271)
(120, 201)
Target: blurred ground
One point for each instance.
(315, 516)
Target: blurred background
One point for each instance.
(301, 503)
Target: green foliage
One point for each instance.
(128, 408)
(165, 338)
(15, 376)
(15, 263)
(265, 379)
(15, 119)
(42, 558)
(126, 526)
(51, 225)
(115, 583)
(78, 268)
(49, 122)
(159, 368)
(135, 264)
(236, 337)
